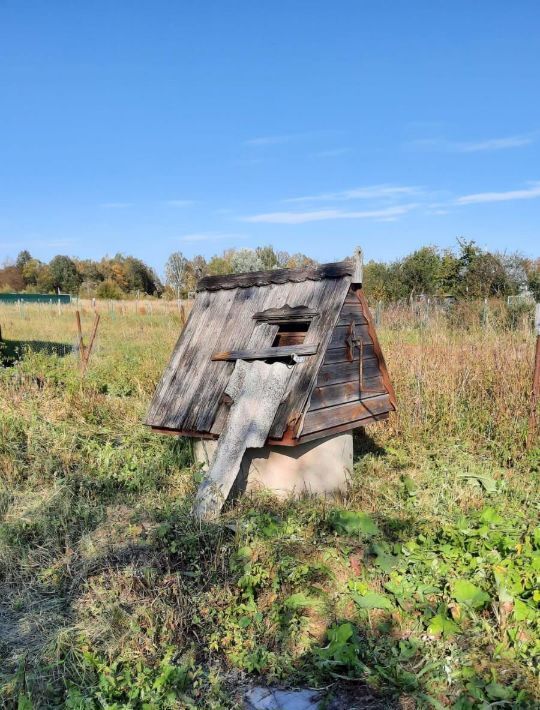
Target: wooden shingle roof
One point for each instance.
(189, 397)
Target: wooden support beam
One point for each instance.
(267, 353)
(287, 314)
(358, 261)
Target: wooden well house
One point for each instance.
(275, 359)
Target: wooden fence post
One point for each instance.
(485, 314)
(79, 332)
(535, 393)
(91, 343)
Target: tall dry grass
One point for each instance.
(84, 486)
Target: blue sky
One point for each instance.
(149, 127)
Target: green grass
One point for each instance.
(421, 584)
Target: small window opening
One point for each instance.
(291, 333)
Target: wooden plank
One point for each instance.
(239, 331)
(289, 440)
(353, 308)
(326, 296)
(254, 336)
(158, 406)
(262, 335)
(340, 354)
(266, 353)
(286, 314)
(373, 334)
(340, 332)
(289, 338)
(335, 373)
(341, 428)
(358, 320)
(191, 434)
(276, 276)
(355, 411)
(187, 377)
(332, 395)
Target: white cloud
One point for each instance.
(269, 140)
(210, 236)
(489, 144)
(116, 205)
(320, 215)
(494, 144)
(528, 193)
(372, 192)
(179, 203)
(60, 243)
(332, 153)
(261, 141)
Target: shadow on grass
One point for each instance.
(274, 593)
(11, 351)
(365, 444)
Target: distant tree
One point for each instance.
(31, 271)
(244, 260)
(141, 277)
(109, 289)
(196, 269)
(515, 270)
(175, 271)
(420, 271)
(299, 261)
(89, 271)
(44, 281)
(22, 259)
(377, 281)
(11, 279)
(533, 278)
(267, 257)
(449, 271)
(488, 277)
(481, 273)
(64, 275)
(220, 265)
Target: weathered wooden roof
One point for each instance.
(277, 276)
(189, 395)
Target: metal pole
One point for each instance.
(535, 394)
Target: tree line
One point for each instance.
(464, 272)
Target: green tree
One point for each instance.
(22, 259)
(141, 277)
(533, 278)
(109, 289)
(268, 257)
(31, 271)
(420, 271)
(376, 281)
(64, 275)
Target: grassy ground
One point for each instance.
(419, 589)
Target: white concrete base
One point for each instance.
(321, 467)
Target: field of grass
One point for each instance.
(419, 589)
